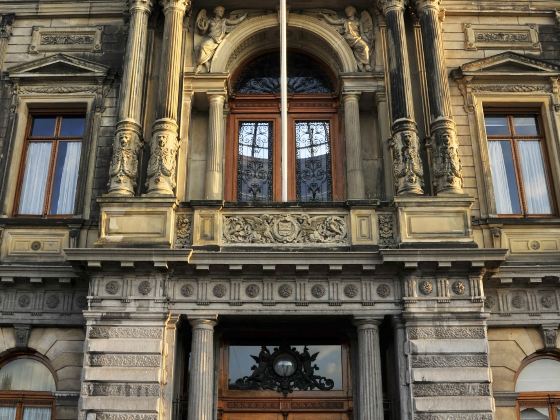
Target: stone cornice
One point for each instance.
(479, 258)
(127, 257)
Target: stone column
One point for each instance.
(128, 137)
(201, 373)
(164, 144)
(447, 171)
(370, 387)
(383, 120)
(407, 165)
(354, 174)
(214, 172)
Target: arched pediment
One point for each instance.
(236, 46)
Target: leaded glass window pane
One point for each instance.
(313, 161)
(254, 161)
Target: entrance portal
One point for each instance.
(284, 376)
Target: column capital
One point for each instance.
(214, 97)
(180, 5)
(203, 323)
(366, 323)
(422, 5)
(351, 96)
(136, 6)
(389, 5)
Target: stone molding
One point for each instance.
(125, 332)
(501, 37)
(71, 39)
(424, 333)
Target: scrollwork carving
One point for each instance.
(125, 360)
(145, 287)
(386, 237)
(285, 229)
(125, 332)
(426, 333)
(318, 291)
(448, 171)
(350, 291)
(183, 231)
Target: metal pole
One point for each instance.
(284, 96)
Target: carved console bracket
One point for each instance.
(550, 336)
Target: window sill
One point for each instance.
(41, 221)
(517, 221)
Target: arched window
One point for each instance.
(26, 390)
(538, 385)
(254, 132)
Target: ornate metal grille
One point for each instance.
(313, 161)
(263, 76)
(254, 161)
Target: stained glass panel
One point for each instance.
(254, 161)
(313, 161)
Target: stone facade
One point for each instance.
(443, 300)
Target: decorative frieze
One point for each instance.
(49, 300)
(125, 360)
(125, 416)
(449, 361)
(76, 39)
(501, 37)
(386, 225)
(507, 301)
(125, 332)
(450, 389)
(426, 333)
(280, 229)
(124, 389)
(454, 416)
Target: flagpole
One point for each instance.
(284, 96)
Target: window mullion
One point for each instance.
(50, 178)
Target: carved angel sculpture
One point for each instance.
(358, 33)
(214, 30)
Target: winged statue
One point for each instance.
(357, 31)
(214, 30)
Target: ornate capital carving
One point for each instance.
(162, 166)
(407, 166)
(448, 172)
(203, 323)
(136, 6)
(389, 5)
(366, 323)
(425, 5)
(6, 22)
(123, 171)
(179, 5)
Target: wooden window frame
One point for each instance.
(320, 107)
(55, 140)
(551, 400)
(20, 400)
(510, 114)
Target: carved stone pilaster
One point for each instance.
(6, 22)
(165, 142)
(201, 396)
(448, 177)
(370, 395)
(550, 336)
(128, 141)
(214, 172)
(354, 172)
(404, 144)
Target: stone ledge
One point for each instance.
(453, 404)
(447, 346)
(458, 374)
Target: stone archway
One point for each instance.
(249, 38)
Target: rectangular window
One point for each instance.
(49, 175)
(518, 164)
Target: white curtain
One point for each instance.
(534, 178)
(36, 413)
(66, 177)
(537, 413)
(500, 178)
(7, 413)
(34, 185)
